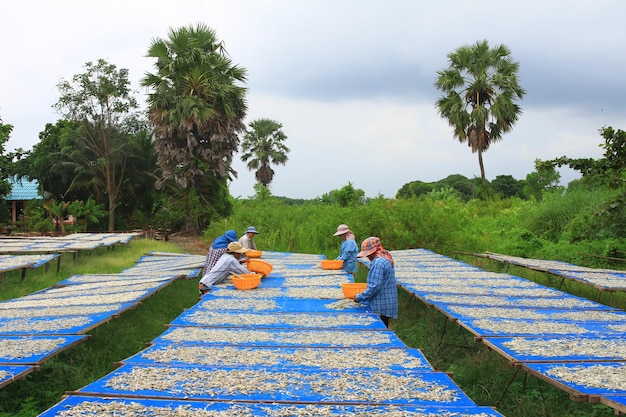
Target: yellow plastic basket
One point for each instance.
(332, 264)
(353, 288)
(259, 266)
(246, 281)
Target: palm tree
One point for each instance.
(262, 146)
(196, 107)
(480, 87)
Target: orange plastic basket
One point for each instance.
(246, 281)
(332, 264)
(254, 254)
(257, 265)
(353, 288)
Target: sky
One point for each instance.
(351, 81)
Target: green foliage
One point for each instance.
(261, 192)
(414, 189)
(196, 107)
(346, 196)
(545, 179)
(263, 146)
(505, 186)
(101, 102)
(480, 88)
(5, 172)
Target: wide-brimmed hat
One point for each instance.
(251, 229)
(368, 246)
(342, 229)
(236, 248)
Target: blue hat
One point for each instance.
(231, 235)
(251, 229)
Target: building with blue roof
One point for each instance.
(22, 191)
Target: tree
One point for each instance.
(101, 100)
(458, 182)
(263, 145)
(346, 196)
(414, 189)
(507, 187)
(480, 87)
(196, 107)
(52, 160)
(5, 160)
(545, 178)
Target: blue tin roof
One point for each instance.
(23, 190)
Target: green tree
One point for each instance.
(346, 196)
(58, 211)
(460, 183)
(101, 100)
(414, 189)
(5, 160)
(86, 212)
(544, 179)
(506, 186)
(262, 146)
(51, 161)
(480, 88)
(609, 171)
(197, 107)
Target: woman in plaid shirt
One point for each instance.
(381, 294)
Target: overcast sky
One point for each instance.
(350, 80)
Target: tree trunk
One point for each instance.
(482, 168)
(112, 203)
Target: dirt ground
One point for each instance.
(191, 244)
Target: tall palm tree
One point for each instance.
(263, 145)
(196, 106)
(480, 87)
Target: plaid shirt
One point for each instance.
(381, 294)
(211, 258)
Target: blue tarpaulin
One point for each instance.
(288, 385)
(372, 358)
(127, 407)
(33, 350)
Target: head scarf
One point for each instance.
(223, 241)
(372, 245)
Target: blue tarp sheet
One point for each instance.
(301, 320)
(205, 383)
(33, 350)
(562, 328)
(371, 358)
(127, 407)
(276, 305)
(9, 373)
(117, 279)
(61, 311)
(546, 349)
(582, 315)
(559, 302)
(283, 338)
(594, 385)
(52, 325)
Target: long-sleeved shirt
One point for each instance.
(349, 250)
(381, 294)
(226, 265)
(247, 242)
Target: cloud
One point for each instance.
(351, 81)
